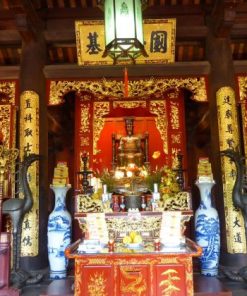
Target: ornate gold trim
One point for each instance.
(85, 141)
(85, 115)
(99, 110)
(85, 204)
(242, 85)
(132, 281)
(97, 284)
(129, 104)
(174, 115)
(5, 124)
(7, 127)
(178, 202)
(169, 282)
(124, 224)
(8, 88)
(138, 89)
(244, 123)
(159, 108)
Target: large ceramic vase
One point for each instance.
(207, 230)
(59, 234)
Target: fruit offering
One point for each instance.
(132, 238)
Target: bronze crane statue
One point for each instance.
(16, 208)
(239, 199)
(239, 194)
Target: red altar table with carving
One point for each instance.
(134, 272)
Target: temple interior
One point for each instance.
(123, 158)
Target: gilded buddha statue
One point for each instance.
(130, 148)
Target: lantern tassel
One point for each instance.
(126, 83)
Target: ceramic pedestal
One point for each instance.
(59, 234)
(207, 230)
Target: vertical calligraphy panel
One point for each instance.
(229, 139)
(29, 143)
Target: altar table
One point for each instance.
(134, 272)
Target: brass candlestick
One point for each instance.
(87, 189)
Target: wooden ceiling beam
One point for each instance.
(55, 36)
(7, 24)
(27, 20)
(6, 14)
(157, 11)
(96, 13)
(9, 72)
(239, 31)
(191, 32)
(177, 69)
(241, 8)
(224, 17)
(10, 37)
(68, 36)
(72, 13)
(61, 35)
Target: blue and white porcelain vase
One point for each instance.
(207, 230)
(59, 234)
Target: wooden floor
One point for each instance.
(203, 286)
(209, 286)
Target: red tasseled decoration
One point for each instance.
(126, 83)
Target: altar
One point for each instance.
(142, 272)
(102, 129)
(132, 248)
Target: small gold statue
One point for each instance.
(131, 149)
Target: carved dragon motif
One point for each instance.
(136, 284)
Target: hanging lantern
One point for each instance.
(123, 30)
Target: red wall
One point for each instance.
(144, 122)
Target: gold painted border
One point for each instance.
(85, 27)
(81, 262)
(228, 130)
(8, 88)
(29, 121)
(99, 110)
(242, 86)
(139, 89)
(159, 108)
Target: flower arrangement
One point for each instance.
(169, 185)
(166, 179)
(107, 178)
(131, 178)
(153, 177)
(127, 179)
